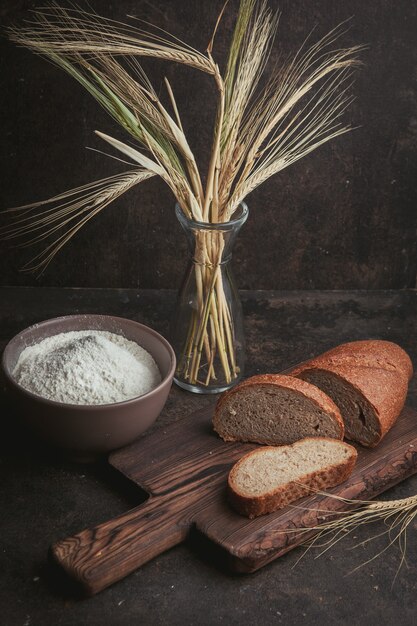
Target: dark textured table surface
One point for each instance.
(45, 497)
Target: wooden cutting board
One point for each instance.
(184, 468)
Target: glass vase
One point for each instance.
(207, 332)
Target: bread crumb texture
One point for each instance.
(276, 410)
(269, 478)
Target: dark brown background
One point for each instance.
(343, 217)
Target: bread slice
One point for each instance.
(367, 380)
(269, 478)
(276, 409)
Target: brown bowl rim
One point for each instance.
(89, 407)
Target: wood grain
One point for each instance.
(184, 468)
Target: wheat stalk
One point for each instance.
(333, 526)
(248, 57)
(73, 31)
(85, 202)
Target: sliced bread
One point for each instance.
(269, 478)
(367, 380)
(276, 409)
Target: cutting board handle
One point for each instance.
(99, 557)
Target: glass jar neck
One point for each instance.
(211, 244)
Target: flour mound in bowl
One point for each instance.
(87, 367)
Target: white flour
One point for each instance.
(87, 367)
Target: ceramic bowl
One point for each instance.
(89, 430)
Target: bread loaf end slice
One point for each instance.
(269, 478)
(275, 409)
(367, 380)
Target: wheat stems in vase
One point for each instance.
(210, 354)
(265, 121)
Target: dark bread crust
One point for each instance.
(313, 393)
(328, 476)
(377, 370)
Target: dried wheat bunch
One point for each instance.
(257, 133)
(259, 130)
